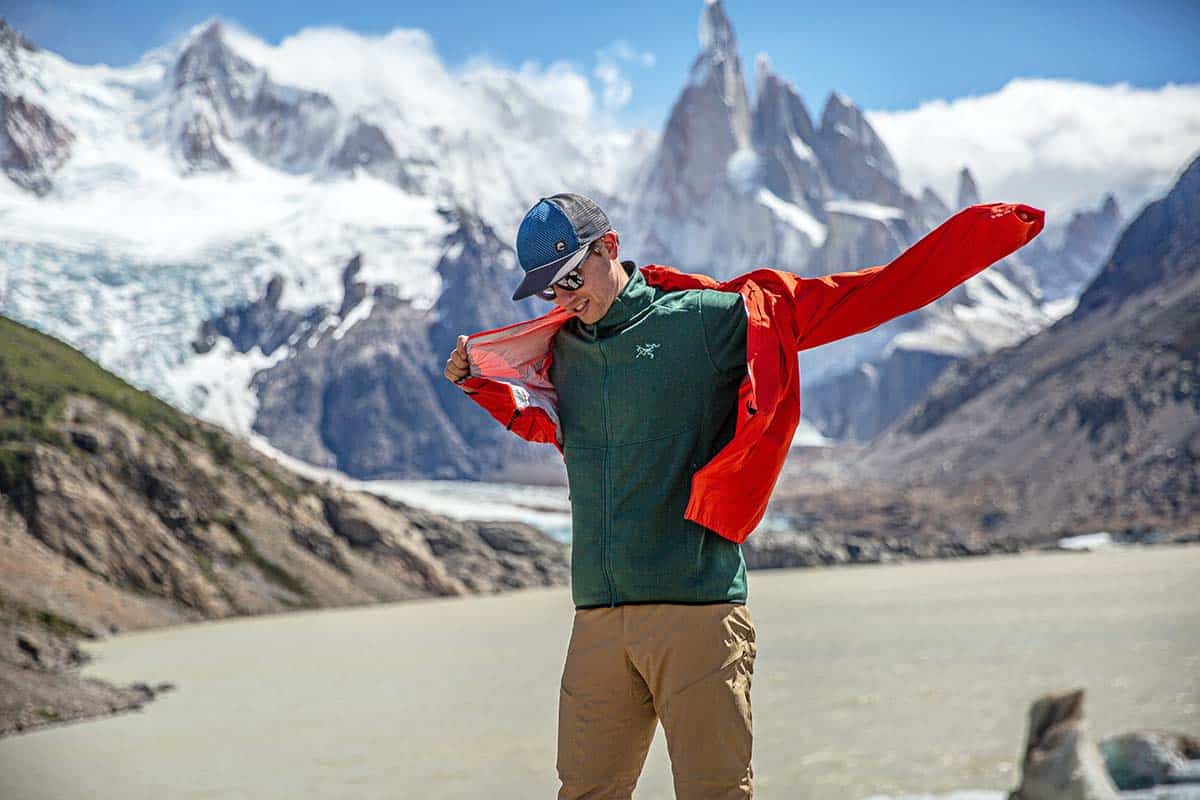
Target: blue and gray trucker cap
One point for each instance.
(554, 237)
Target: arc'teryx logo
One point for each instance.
(646, 349)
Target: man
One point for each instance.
(647, 385)
(640, 377)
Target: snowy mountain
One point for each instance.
(361, 390)
(219, 98)
(784, 139)
(1085, 245)
(1092, 424)
(701, 204)
(33, 145)
(861, 402)
(144, 200)
(730, 187)
(968, 191)
(190, 221)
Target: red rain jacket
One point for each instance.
(786, 313)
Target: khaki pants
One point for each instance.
(629, 666)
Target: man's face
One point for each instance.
(603, 280)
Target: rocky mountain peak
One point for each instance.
(12, 46)
(717, 70)
(840, 110)
(704, 160)
(763, 71)
(208, 58)
(478, 272)
(1066, 268)
(220, 97)
(212, 32)
(1109, 209)
(260, 323)
(856, 158)
(968, 191)
(932, 205)
(364, 146)
(837, 104)
(716, 31)
(1161, 244)
(11, 39)
(274, 292)
(1095, 229)
(33, 145)
(786, 142)
(353, 290)
(213, 86)
(842, 120)
(777, 101)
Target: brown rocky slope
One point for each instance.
(1090, 425)
(118, 513)
(1094, 423)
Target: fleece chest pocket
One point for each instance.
(656, 391)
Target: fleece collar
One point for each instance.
(633, 299)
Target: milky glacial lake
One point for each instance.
(874, 680)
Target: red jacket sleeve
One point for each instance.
(842, 304)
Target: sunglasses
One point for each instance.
(572, 280)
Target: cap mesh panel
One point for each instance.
(567, 217)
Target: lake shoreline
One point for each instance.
(56, 694)
(461, 697)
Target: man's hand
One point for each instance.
(457, 366)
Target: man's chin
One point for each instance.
(587, 314)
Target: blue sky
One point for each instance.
(883, 55)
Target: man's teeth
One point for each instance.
(579, 307)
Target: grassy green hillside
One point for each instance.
(37, 373)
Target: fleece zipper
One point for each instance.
(607, 483)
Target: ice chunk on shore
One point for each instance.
(1087, 541)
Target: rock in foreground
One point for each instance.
(1062, 762)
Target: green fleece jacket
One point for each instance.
(647, 396)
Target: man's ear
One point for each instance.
(612, 245)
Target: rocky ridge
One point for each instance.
(33, 144)
(859, 404)
(788, 192)
(361, 388)
(219, 98)
(1066, 269)
(1091, 427)
(1095, 422)
(818, 198)
(774, 144)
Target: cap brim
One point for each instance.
(543, 276)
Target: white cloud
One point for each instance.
(624, 51)
(559, 86)
(1055, 144)
(402, 71)
(492, 135)
(616, 88)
